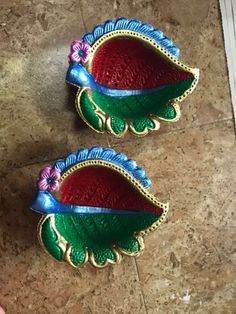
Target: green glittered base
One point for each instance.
(139, 113)
(100, 237)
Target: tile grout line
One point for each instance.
(176, 131)
(228, 17)
(124, 142)
(142, 294)
(82, 17)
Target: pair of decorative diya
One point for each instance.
(96, 203)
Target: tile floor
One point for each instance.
(189, 265)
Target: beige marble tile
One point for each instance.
(33, 134)
(38, 117)
(121, 295)
(189, 263)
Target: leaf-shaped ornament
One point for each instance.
(131, 80)
(100, 212)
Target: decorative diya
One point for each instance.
(96, 207)
(129, 77)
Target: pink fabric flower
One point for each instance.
(79, 51)
(49, 179)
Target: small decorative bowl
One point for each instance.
(129, 77)
(96, 207)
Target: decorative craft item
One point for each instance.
(129, 77)
(96, 207)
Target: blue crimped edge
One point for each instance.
(134, 25)
(107, 154)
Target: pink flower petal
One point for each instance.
(45, 172)
(53, 187)
(76, 45)
(75, 48)
(42, 185)
(84, 58)
(76, 42)
(75, 57)
(86, 51)
(85, 47)
(55, 174)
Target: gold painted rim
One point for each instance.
(105, 122)
(106, 127)
(117, 251)
(132, 34)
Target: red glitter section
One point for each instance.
(103, 187)
(125, 63)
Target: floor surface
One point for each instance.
(189, 265)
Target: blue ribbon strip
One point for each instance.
(45, 203)
(77, 75)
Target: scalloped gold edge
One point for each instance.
(116, 249)
(110, 130)
(62, 243)
(106, 127)
(146, 130)
(106, 119)
(164, 53)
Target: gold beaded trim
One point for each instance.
(133, 34)
(138, 186)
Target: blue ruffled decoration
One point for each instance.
(134, 25)
(106, 154)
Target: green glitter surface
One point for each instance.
(134, 108)
(50, 240)
(97, 232)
